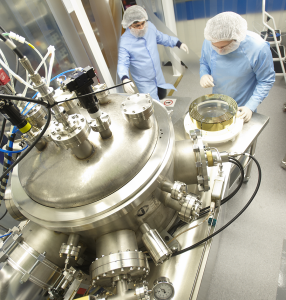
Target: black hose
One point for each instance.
(16, 50)
(7, 157)
(4, 215)
(2, 37)
(26, 99)
(25, 153)
(231, 195)
(2, 130)
(232, 220)
(205, 210)
(86, 95)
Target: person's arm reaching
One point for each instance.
(265, 76)
(123, 70)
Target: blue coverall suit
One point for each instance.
(142, 57)
(246, 74)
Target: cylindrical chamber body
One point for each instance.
(118, 241)
(11, 288)
(185, 169)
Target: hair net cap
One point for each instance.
(225, 27)
(132, 14)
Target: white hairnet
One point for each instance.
(225, 27)
(132, 14)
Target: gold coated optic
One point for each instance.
(213, 112)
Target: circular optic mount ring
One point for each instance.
(213, 112)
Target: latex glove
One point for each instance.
(207, 81)
(185, 48)
(128, 86)
(244, 113)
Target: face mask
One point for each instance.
(227, 49)
(139, 32)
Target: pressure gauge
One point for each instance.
(163, 289)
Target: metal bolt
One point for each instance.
(123, 104)
(59, 137)
(137, 95)
(131, 268)
(143, 107)
(102, 255)
(89, 122)
(96, 259)
(138, 268)
(125, 109)
(133, 111)
(58, 129)
(122, 269)
(53, 132)
(147, 96)
(73, 117)
(104, 275)
(74, 122)
(128, 98)
(82, 120)
(112, 272)
(97, 278)
(149, 101)
(79, 128)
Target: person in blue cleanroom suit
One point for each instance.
(236, 62)
(138, 52)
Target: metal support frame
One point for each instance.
(276, 43)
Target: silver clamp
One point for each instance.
(178, 189)
(100, 124)
(142, 291)
(190, 209)
(14, 239)
(27, 275)
(201, 160)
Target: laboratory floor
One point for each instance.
(250, 262)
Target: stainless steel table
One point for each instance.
(190, 272)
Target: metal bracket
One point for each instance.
(174, 245)
(27, 275)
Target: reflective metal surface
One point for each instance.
(11, 288)
(93, 175)
(118, 210)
